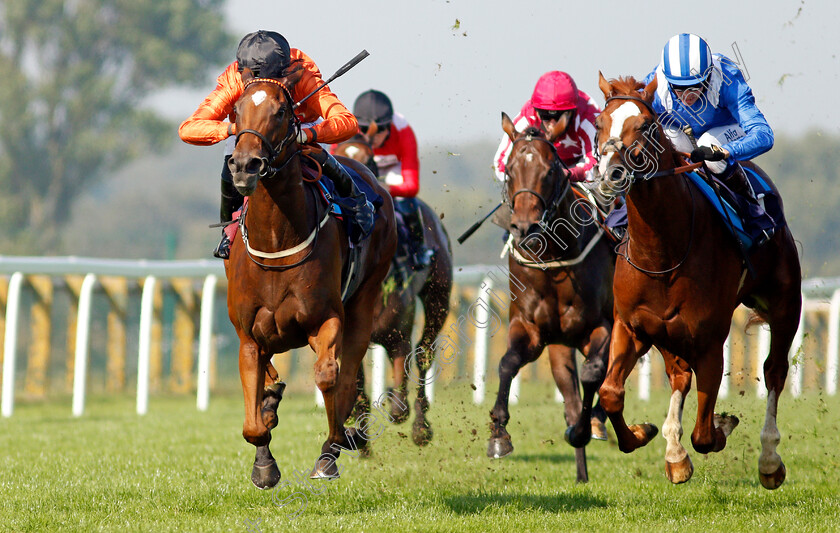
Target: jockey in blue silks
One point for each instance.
(708, 93)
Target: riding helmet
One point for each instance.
(373, 106)
(555, 91)
(266, 53)
(686, 60)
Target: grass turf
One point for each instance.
(177, 469)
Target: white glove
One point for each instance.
(302, 137)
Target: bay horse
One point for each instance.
(560, 293)
(395, 312)
(677, 283)
(285, 281)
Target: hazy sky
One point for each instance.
(452, 82)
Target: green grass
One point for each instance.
(180, 470)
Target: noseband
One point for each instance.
(293, 127)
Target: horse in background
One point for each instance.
(560, 293)
(395, 312)
(677, 283)
(285, 283)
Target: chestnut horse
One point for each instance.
(285, 281)
(677, 283)
(561, 293)
(394, 312)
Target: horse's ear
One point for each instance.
(372, 129)
(507, 125)
(559, 127)
(650, 90)
(604, 85)
(247, 75)
(290, 79)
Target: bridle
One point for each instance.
(551, 205)
(651, 131)
(615, 145)
(267, 170)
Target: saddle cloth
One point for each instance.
(744, 220)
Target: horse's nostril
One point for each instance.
(254, 165)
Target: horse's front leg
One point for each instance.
(524, 345)
(625, 351)
(564, 369)
(265, 473)
(398, 352)
(596, 352)
(678, 465)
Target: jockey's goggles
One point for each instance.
(551, 114)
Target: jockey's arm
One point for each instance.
(740, 102)
(207, 125)
(339, 123)
(410, 163)
(586, 133)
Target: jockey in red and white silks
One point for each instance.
(556, 93)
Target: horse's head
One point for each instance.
(359, 149)
(535, 180)
(266, 129)
(628, 139)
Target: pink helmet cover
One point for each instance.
(555, 91)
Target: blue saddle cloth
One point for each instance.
(745, 221)
(327, 188)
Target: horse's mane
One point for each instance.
(626, 85)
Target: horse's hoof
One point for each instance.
(499, 447)
(399, 412)
(325, 468)
(726, 423)
(644, 432)
(679, 472)
(265, 476)
(578, 440)
(773, 481)
(599, 429)
(365, 453)
(421, 433)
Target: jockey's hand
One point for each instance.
(302, 137)
(708, 153)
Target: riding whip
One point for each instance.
(475, 226)
(340, 72)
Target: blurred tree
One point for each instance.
(75, 73)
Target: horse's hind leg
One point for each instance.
(524, 346)
(625, 351)
(272, 395)
(678, 465)
(783, 321)
(564, 369)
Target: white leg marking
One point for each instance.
(672, 430)
(769, 460)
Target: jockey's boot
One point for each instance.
(355, 202)
(735, 178)
(231, 201)
(421, 256)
